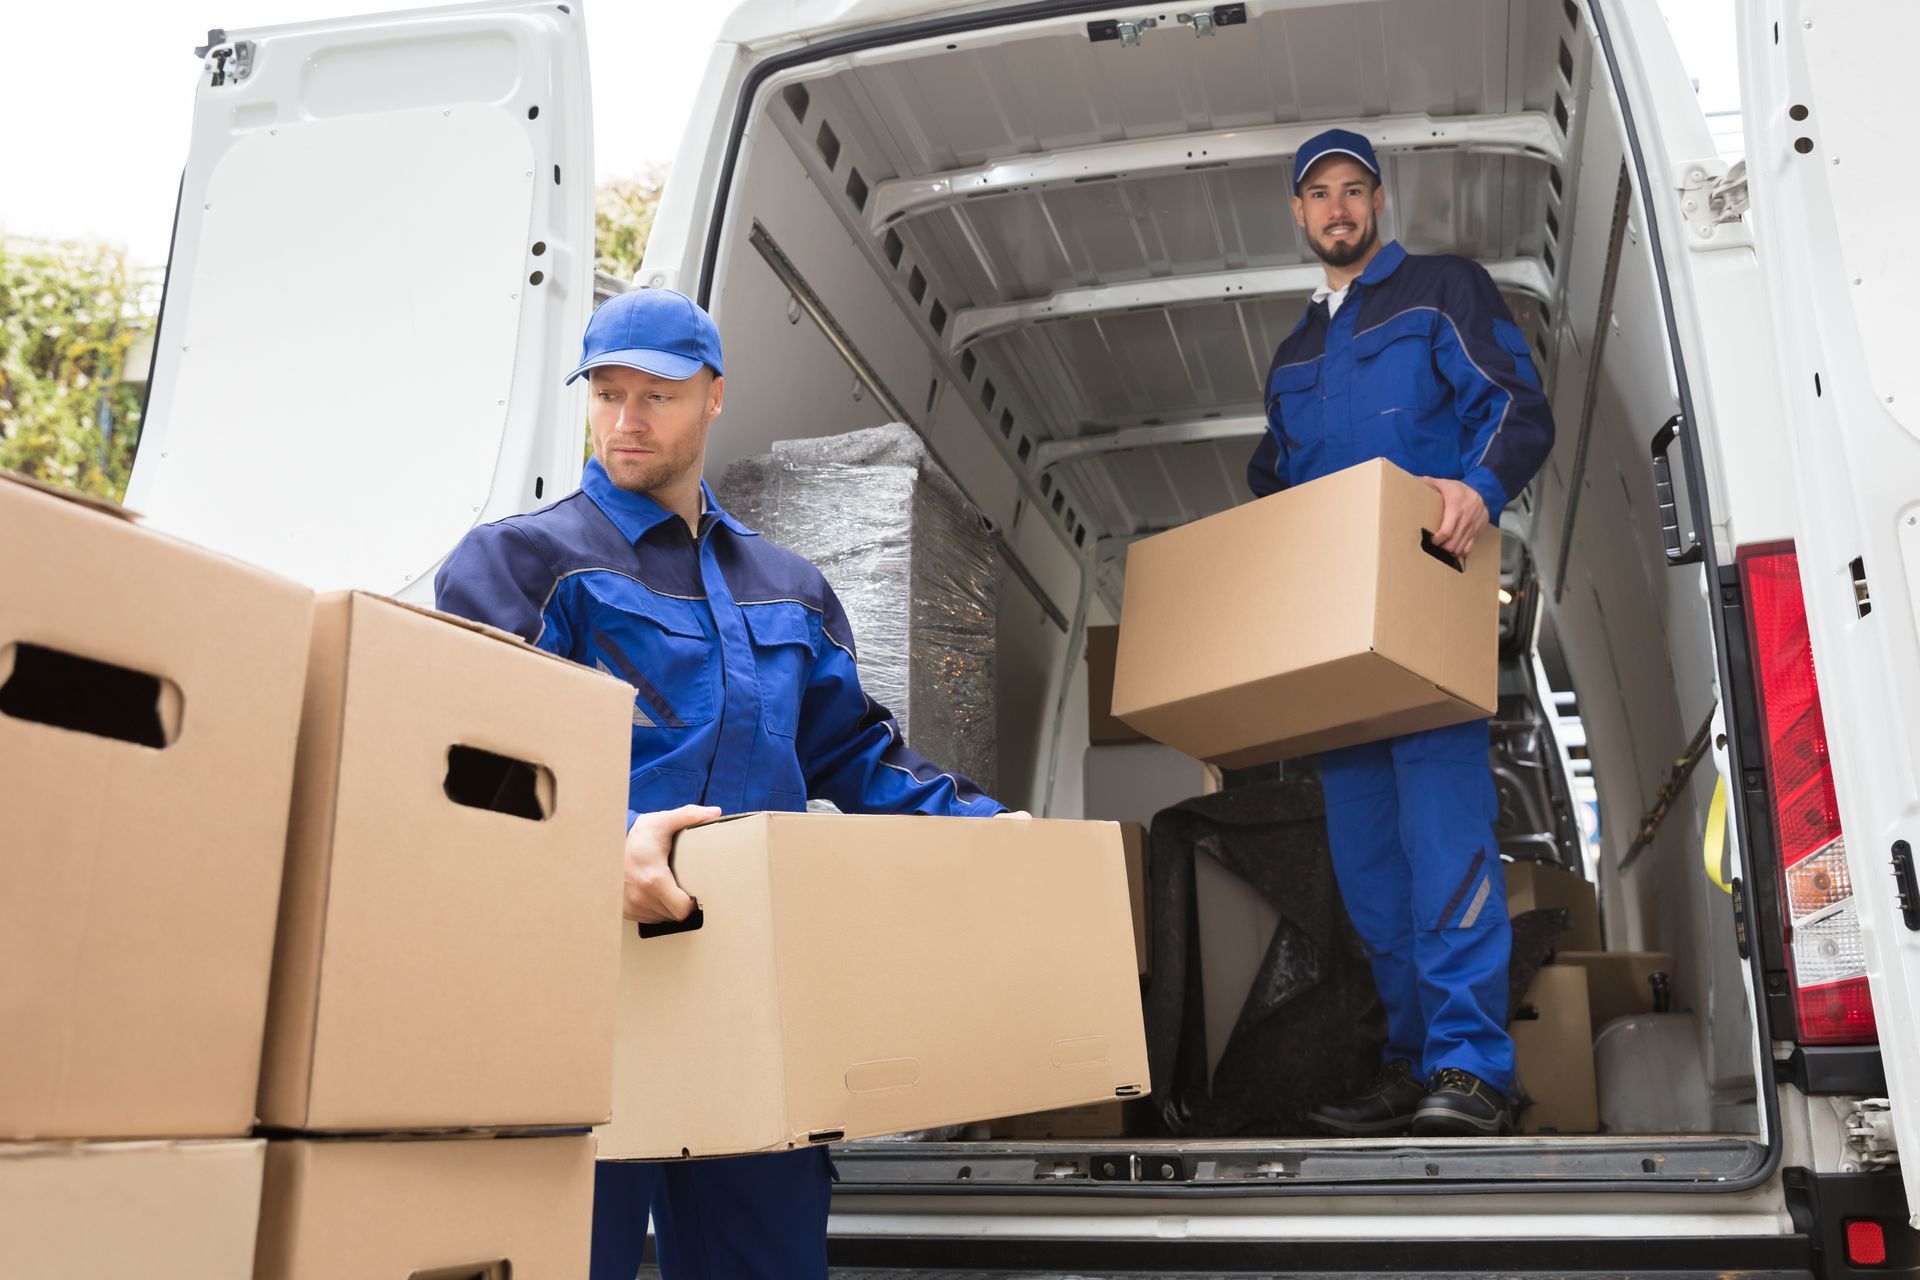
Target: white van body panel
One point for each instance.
(1843, 278)
(353, 323)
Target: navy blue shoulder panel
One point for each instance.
(760, 571)
(1421, 280)
(573, 534)
(1308, 341)
(576, 536)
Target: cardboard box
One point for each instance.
(854, 976)
(440, 964)
(1617, 985)
(1553, 1054)
(1093, 1120)
(1133, 839)
(1307, 620)
(112, 1211)
(470, 1208)
(1104, 729)
(149, 702)
(1535, 885)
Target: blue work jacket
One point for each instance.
(741, 658)
(1423, 366)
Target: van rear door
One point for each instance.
(381, 264)
(1826, 99)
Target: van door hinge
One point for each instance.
(1713, 198)
(1203, 21)
(1870, 1133)
(226, 61)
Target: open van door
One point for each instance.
(381, 265)
(1827, 102)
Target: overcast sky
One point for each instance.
(97, 96)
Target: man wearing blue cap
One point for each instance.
(1415, 359)
(746, 697)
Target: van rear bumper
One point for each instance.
(1814, 1247)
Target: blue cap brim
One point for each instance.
(1308, 168)
(661, 364)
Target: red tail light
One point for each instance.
(1826, 955)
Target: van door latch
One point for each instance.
(226, 61)
(1870, 1133)
(1133, 1166)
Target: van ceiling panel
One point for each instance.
(1026, 245)
(1100, 372)
(1331, 62)
(1049, 275)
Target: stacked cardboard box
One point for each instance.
(447, 952)
(1571, 1000)
(149, 697)
(429, 944)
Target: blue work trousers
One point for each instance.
(1410, 821)
(740, 1218)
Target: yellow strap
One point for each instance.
(1718, 869)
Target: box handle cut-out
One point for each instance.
(1434, 549)
(498, 1269)
(499, 784)
(85, 695)
(667, 928)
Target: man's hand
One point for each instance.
(1463, 515)
(653, 896)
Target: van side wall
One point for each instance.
(1637, 636)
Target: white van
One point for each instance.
(1052, 237)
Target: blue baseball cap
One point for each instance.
(1334, 142)
(656, 331)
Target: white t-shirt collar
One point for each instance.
(1331, 296)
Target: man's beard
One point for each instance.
(648, 475)
(1344, 255)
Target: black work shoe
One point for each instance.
(1382, 1111)
(1460, 1104)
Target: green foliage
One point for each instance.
(622, 218)
(68, 315)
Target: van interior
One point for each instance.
(1061, 251)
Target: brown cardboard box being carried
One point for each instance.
(1553, 1054)
(450, 931)
(156, 1210)
(1133, 837)
(149, 702)
(1307, 620)
(1103, 728)
(853, 976)
(1617, 981)
(1092, 1120)
(1534, 885)
(467, 1208)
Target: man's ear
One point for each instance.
(1299, 211)
(1379, 198)
(715, 394)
